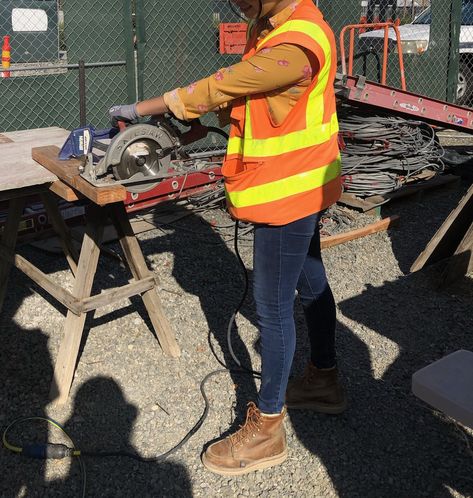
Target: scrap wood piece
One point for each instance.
(446, 240)
(356, 202)
(68, 172)
(341, 238)
(414, 188)
(63, 191)
(424, 181)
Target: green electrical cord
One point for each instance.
(47, 450)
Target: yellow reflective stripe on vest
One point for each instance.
(275, 146)
(280, 189)
(306, 27)
(315, 132)
(315, 108)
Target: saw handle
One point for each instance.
(197, 132)
(121, 125)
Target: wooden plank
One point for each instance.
(414, 188)
(445, 241)
(18, 174)
(8, 240)
(466, 245)
(68, 172)
(367, 204)
(47, 156)
(356, 202)
(62, 230)
(5, 140)
(139, 269)
(113, 295)
(462, 261)
(43, 280)
(17, 168)
(63, 191)
(38, 136)
(379, 226)
(74, 326)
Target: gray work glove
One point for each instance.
(125, 112)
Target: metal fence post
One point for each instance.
(82, 94)
(130, 50)
(140, 46)
(454, 56)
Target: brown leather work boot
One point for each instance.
(258, 444)
(318, 390)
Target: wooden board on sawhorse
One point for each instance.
(453, 242)
(106, 204)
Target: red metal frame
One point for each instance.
(173, 189)
(382, 25)
(357, 90)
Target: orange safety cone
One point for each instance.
(6, 56)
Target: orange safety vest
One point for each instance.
(276, 174)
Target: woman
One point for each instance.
(281, 170)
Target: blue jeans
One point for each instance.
(287, 258)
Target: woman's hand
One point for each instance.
(124, 112)
(131, 112)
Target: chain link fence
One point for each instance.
(436, 39)
(141, 48)
(183, 45)
(46, 39)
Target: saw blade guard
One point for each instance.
(139, 153)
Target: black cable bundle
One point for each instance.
(381, 152)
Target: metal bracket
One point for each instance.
(360, 86)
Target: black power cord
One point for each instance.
(59, 451)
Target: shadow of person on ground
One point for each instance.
(204, 266)
(103, 421)
(26, 371)
(388, 443)
(26, 368)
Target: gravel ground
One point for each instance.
(127, 395)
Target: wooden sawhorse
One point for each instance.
(106, 204)
(453, 242)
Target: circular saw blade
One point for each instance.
(135, 154)
(140, 160)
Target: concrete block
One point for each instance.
(447, 385)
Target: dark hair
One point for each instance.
(243, 18)
(260, 9)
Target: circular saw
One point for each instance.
(140, 155)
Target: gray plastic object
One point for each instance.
(447, 385)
